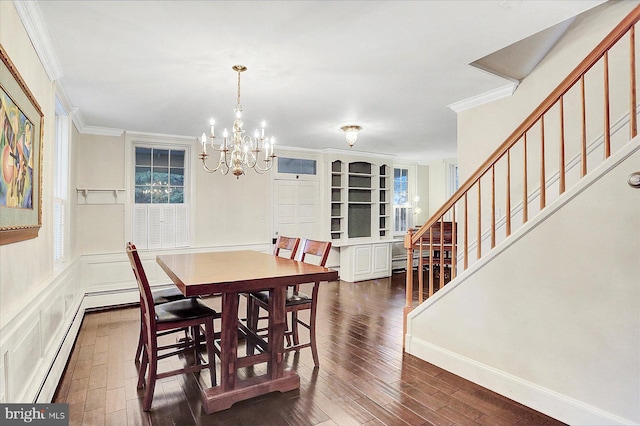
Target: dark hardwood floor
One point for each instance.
(364, 377)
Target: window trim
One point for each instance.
(133, 139)
(297, 155)
(61, 189)
(411, 192)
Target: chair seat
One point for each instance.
(183, 310)
(292, 299)
(166, 295)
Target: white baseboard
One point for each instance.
(59, 362)
(546, 401)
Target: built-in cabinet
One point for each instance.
(360, 201)
(365, 261)
(360, 217)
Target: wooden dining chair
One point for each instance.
(172, 316)
(159, 297)
(297, 301)
(283, 246)
(288, 244)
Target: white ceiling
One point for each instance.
(392, 67)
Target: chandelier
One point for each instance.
(241, 152)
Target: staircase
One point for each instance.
(543, 305)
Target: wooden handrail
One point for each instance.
(612, 38)
(438, 250)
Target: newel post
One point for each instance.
(409, 286)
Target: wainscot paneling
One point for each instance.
(32, 338)
(24, 355)
(110, 281)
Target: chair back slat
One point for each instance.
(319, 249)
(146, 298)
(288, 244)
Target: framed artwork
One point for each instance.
(21, 131)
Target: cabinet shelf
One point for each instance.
(360, 194)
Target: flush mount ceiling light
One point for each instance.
(351, 132)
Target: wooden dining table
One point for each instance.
(231, 273)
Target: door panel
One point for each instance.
(296, 208)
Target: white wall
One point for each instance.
(37, 303)
(228, 211)
(439, 184)
(423, 191)
(21, 274)
(552, 318)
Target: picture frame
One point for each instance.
(21, 135)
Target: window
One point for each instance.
(60, 185)
(296, 166)
(159, 176)
(401, 205)
(161, 209)
(454, 184)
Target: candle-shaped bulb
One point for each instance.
(203, 140)
(256, 135)
(225, 133)
(211, 123)
(264, 124)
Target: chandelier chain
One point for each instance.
(238, 103)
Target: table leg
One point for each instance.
(277, 327)
(252, 322)
(229, 392)
(229, 341)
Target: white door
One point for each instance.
(296, 208)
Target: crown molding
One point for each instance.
(99, 131)
(358, 153)
(62, 97)
(484, 98)
(132, 134)
(78, 120)
(31, 18)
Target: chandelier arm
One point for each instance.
(270, 160)
(259, 170)
(221, 148)
(251, 159)
(224, 170)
